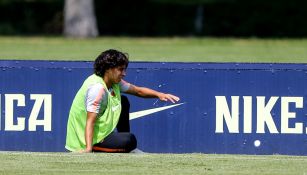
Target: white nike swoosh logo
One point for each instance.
(114, 108)
(139, 114)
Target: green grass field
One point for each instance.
(71, 163)
(157, 49)
(153, 49)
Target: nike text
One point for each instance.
(228, 113)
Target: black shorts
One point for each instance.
(121, 141)
(117, 142)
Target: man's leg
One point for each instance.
(122, 141)
(123, 124)
(116, 142)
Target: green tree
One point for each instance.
(199, 10)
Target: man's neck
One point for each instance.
(107, 82)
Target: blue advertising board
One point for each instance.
(225, 108)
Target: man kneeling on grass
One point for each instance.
(98, 108)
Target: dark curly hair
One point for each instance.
(109, 59)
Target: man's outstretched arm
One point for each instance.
(150, 93)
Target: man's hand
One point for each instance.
(168, 97)
(86, 151)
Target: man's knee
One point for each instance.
(130, 142)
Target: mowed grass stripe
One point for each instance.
(71, 163)
(172, 49)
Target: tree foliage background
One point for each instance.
(259, 18)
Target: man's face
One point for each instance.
(117, 73)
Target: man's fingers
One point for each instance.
(169, 97)
(172, 98)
